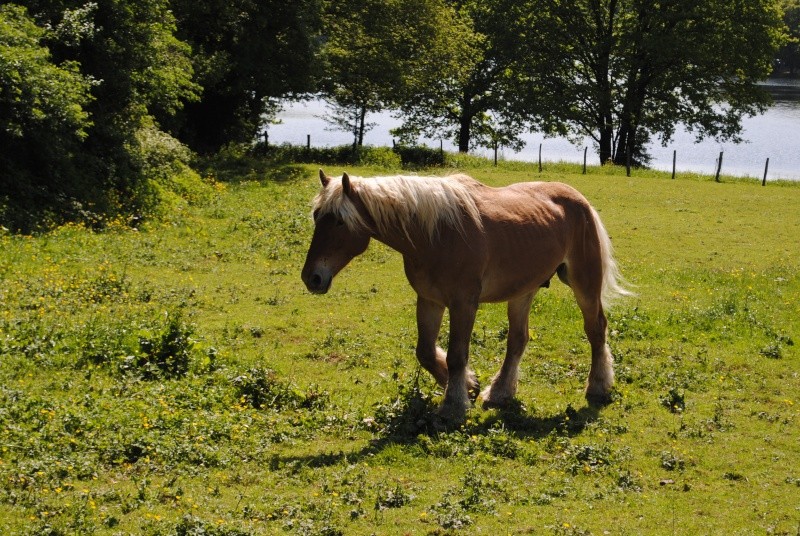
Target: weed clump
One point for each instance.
(674, 401)
(164, 352)
(261, 389)
(407, 415)
(194, 526)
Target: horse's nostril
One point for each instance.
(316, 281)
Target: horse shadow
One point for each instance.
(516, 419)
(417, 424)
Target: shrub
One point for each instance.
(382, 157)
(261, 388)
(164, 352)
(168, 178)
(419, 156)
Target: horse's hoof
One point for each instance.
(496, 399)
(448, 416)
(497, 404)
(598, 400)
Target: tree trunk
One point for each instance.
(606, 142)
(464, 135)
(623, 141)
(605, 31)
(465, 122)
(362, 115)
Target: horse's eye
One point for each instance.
(339, 221)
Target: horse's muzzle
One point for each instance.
(318, 281)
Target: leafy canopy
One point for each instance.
(623, 71)
(43, 117)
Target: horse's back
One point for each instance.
(531, 203)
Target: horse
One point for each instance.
(465, 243)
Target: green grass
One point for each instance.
(178, 379)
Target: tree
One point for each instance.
(360, 67)
(788, 58)
(140, 74)
(246, 53)
(381, 54)
(622, 71)
(43, 119)
(464, 87)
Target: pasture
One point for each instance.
(179, 379)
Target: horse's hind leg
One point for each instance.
(504, 385)
(587, 287)
(601, 375)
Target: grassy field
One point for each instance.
(178, 379)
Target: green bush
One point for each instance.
(44, 122)
(419, 156)
(168, 179)
(408, 157)
(164, 352)
(382, 157)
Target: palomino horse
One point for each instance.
(464, 243)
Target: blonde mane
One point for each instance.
(403, 202)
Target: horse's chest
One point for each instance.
(440, 278)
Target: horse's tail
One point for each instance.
(613, 286)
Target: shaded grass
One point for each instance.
(292, 413)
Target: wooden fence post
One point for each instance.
(674, 158)
(719, 167)
(766, 168)
(308, 141)
(540, 158)
(585, 149)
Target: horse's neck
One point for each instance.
(405, 244)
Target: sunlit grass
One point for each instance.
(178, 379)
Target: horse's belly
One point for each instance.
(506, 286)
(520, 268)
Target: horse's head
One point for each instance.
(340, 232)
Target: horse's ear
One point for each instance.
(347, 188)
(324, 179)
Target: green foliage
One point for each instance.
(419, 156)
(788, 57)
(261, 389)
(85, 126)
(168, 179)
(245, 55)
(43, 113)
(460, 82)
(165, 353)
(625, 72)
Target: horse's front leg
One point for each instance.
(461, 381)
(430, 356)
(504, 385)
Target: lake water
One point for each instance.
(774, 135)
